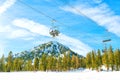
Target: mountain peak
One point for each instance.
(53, 48)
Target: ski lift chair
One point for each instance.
(54, 31)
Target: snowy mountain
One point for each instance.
(51, 48)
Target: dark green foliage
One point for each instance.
(2, 64)
(51, 56)
(59, 60)
(77, 63)
(59, 64)
(65, 62)
(117, 59)
(49, 63)
(28, 66)
(9, 65)
(73, 62)
(111, 58)
(36, 64)
(105, 59)
(68, 61)
(43, 63)
(88, 60)
(93, 56)
(98, 60)
(82, 62)
(17, 64)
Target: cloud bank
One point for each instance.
(7, 4)
(4, 7)
(100, 14)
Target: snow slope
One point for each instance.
(84, 75)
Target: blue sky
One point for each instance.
(82, 23)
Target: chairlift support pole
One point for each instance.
(105, 41)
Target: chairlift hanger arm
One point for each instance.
(107, 40)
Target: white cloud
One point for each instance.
(74, 44)
(12, 33)
(28, 38)
(32, 26)
(5, 29)
(100, 14)
(6, 5)
(19, 33)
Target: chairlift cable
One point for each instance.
(53, 32)
(82, 14)
(40, 12)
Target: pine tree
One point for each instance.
(111, 58)
(36, 64)
(119, 58)
(15, 64)
(73, 62)
(93, 60)
(21, 64)
(54, 64)
(88, 60)
(2, 64)
(116, 59)
(77, 62)
(28, 66)
(49, 63)
(43, 63)
(105, 59)
(65, 62)
(59, 64)
(98, 60)
(68, 61)
(9, 62)
(83, 62)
